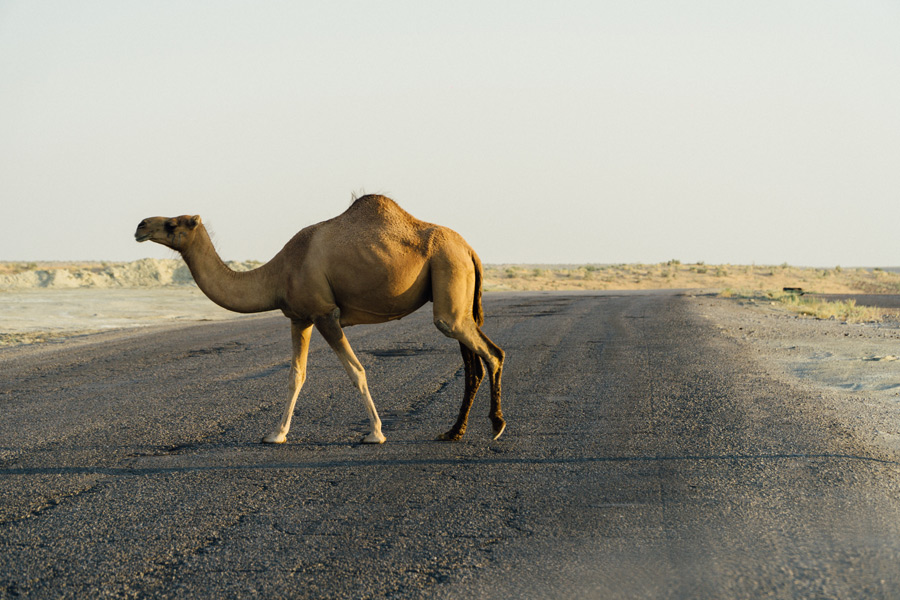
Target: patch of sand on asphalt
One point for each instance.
(41, 315)
(854, 368)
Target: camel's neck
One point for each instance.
(247, 292)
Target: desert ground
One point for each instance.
(50, 301)
(669, 275)
(834, 336)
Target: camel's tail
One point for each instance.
(477, 310)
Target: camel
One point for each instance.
(373, 263)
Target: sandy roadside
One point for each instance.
(853, 369)
(43, 315)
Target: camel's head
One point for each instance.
(176, 233)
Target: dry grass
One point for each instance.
(756, 283)
(845, 310)
(810, 306)
(674, 275)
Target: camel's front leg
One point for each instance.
(330, 328)
(300, 333)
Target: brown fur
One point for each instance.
(371, 264)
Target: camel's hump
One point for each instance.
(376, 204)
(373, 201)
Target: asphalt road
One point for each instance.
(646, 456)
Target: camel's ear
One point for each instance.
(195, 220)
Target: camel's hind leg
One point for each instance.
(330, 328)
(300, 333)
(470, 335)
(474, 375)
(453, 289)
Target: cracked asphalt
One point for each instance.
(647, 455)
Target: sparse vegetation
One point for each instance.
(811, 306)
(846, 310)
(675, 274)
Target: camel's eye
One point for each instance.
(170, 226)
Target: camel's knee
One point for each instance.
(444, 327)
(357, 376)
(359, 380)
(456, 329)
(298, 376)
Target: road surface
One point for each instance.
(646, 456)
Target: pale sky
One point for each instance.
(544, 132)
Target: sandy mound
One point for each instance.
(148, 272)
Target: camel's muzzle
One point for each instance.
(139, 234)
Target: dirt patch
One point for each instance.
(46, 315)
(854, 368)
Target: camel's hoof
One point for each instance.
(499, 432)
(374, 438)
(274, 438)
(450, 436)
